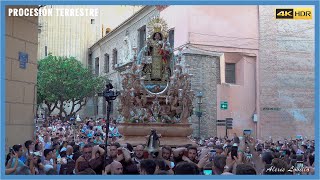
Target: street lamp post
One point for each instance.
(109, 96)
(199, 112)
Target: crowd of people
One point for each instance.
(70, 148)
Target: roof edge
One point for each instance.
(121, 25)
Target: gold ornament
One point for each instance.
(158, 25)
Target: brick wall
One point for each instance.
(206, 75)
(21, 36)
(286, 76)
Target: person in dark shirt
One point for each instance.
(76, 152)
(147, 167)
(138, 153)
(88, 159)
(236, 139)
(120, 154)
(186, 168)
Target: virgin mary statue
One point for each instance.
(155, 57)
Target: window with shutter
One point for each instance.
(142, 37)
(106, 63)
(90, 63)
(230, 73)
(97, 66)
(171, 37)
(115, 57)
(46, 50)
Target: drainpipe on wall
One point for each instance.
(258, 131)
(34, 110)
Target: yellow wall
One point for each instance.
(21, 36)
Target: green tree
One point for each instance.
(64, 80)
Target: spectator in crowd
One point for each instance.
(267, 158)
(59, 149)
(186, 154)
(15, 159)
(186, 168)
(38, 166)
(162, 166)
(23, 170)
(56, 151)
(166, 152)
(89, 159)
(87, 171)
(236, 138)
(49, 158)
(76, 152)
(29, 149)
(147, 167)
(219, 164)
(52, 171)
(12, 163)
(116, 168)
(138, 153)
(219, 149)
(64, 145)
(245, 169)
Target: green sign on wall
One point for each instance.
(224, 105)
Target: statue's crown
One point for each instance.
(157, 27)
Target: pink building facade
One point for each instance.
(213, 29)
(236, 55)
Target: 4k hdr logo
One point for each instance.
(295, 13)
